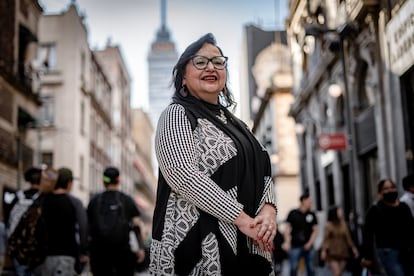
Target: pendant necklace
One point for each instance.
(222, 117)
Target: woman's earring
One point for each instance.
(183, 91)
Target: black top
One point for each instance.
(302, 226)
(211, 166)
(82, 223)
(60, 222)
(111, 199)
(388, 227)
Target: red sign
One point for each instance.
(332, 142)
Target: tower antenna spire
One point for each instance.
(163, 14)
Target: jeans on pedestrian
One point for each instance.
(295, 254)
(390, 260)
(58, 265)
(21, 270)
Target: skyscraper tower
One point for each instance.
(161, 61)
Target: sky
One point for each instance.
(132, 25)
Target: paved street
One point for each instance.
(320, 271)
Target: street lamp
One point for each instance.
(344, 31)
(335, 90)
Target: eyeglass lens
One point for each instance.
(201, 62)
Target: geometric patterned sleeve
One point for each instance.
(269, 194)
(177, 158)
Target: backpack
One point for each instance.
(27, 243)
(19, 209)
(111, 225)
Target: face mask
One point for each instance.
(390, 197)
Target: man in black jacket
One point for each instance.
(65, 226)
(112, 215)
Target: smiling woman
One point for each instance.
(204, 79)
(214, 214)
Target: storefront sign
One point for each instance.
(332, 141)
(400, 36)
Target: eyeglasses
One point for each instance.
(201, 62)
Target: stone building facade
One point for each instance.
(353, 77)
(19, 99)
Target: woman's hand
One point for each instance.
(323, 255)
(246, 225)
(366, 263)
(265, 222)
(355, 251)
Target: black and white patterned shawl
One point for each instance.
(209, 172)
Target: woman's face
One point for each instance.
(388, 187)
(339, 213)
(205, 84)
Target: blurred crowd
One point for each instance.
(48, 231)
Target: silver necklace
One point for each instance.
(222, 117)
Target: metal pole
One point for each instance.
(350, 128)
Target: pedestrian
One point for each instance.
(16, 204)
(3, 238)
(60, 217)
(337, 242)
(390, 227)
(112, 215)
(300, 235)
(82, 233)
(215, 211)
(279, 254)
(353, 264)
(408, 196)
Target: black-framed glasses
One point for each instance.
(201, 62)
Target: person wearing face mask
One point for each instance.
(390, 227)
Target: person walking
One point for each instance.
(60, 217)
(82, 234)
(408, 196)
(279, 254)
(16, 204)
(300, 234)
(389, 228)
(112, 215)
(215, 210)
(337, 242)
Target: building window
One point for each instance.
(47, 111)
(46, 57)
(81, 173)
(47, 159)
(82, 118)
(26, 54)
(82, 76)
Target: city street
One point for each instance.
(319, 271)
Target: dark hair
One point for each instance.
(304, 196)
(191, 50)
(408, 181)
(64, 177)
(333, 214)
(381, 184)
(110, 175)
(33, 175)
